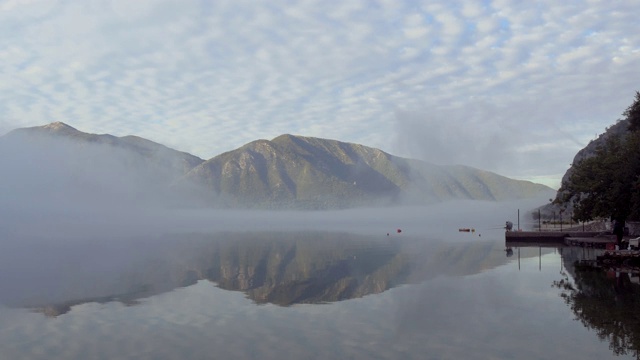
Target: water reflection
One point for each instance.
(607, 301)
(603, 298)
(253, 295)
(282, 268)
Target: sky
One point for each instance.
(513, 87)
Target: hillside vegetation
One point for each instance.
(57, 165)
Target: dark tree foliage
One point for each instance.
(633, 114)
(608, 184)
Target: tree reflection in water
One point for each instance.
(606, 301)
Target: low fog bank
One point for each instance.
(51, 171)
(55, 270)
(439, 221)
(89, 255)
(58, 187)
(65, 189)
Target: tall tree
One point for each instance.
(633, 114)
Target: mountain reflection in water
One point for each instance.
(253, 295)
(282, 268)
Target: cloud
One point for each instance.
(209, 77)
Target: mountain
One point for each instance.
(59, 165)
(56, 166)
(305, 172)
(619, 129)
(171, 162)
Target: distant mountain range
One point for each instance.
(288, 172)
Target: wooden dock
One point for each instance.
(547, 236)
(610, 258)
(575, 238)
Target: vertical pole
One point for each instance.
(570, 220)
(518, 258)
(539, 223)
(518, 219)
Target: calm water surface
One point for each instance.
(274, 295)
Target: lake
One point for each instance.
(310, 294)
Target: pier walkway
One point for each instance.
(581, 238)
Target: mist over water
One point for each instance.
(76, 255)
(433, 221)
(94, 262)
(80, 226)
(57, 187)
(72, 215)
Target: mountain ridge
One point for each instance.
(289, 171)
(616, 130)
(134, 142)
(321, 173)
